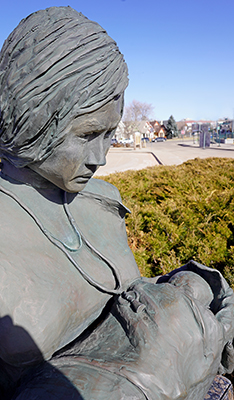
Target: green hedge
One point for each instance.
(180, 213)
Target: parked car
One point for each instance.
(145, 139)
(114, 141)
(126, 141)
(160, 139)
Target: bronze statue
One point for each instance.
(77, 320)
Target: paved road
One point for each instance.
(171, 152)
(175, 152)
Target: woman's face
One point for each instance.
(84, 149)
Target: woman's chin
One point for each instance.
(75, 187)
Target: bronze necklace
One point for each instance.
(64, 248)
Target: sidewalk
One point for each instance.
(178, 152)
(172, 152)
(123, 159)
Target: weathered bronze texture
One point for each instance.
(76, 319)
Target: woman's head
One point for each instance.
(55, 67)
(86, 142)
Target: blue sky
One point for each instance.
(179, 52)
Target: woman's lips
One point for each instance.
(82, 178)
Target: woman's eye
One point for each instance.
(91, 136)
(107, 135)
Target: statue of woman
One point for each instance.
(73, 307)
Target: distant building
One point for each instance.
(162, 131)
(144, 127)
(226, 124)
(186, 125)
(119, 133)
(159, 128)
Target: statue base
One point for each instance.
(221, 389)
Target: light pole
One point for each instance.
(218, 129)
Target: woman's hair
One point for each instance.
(54, 66)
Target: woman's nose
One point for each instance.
(95, 152)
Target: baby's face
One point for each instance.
(193, 285)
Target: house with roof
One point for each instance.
(120, 130)
(156, 125)
(144, 127)
(159, 128)
(162, 131)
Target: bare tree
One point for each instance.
(133, 113)
(137, 111)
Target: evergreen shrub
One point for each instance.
(180, 213)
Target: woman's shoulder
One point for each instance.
(100, 187)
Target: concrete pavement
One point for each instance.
(120, 159)
(176, 152)
(171, 152)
